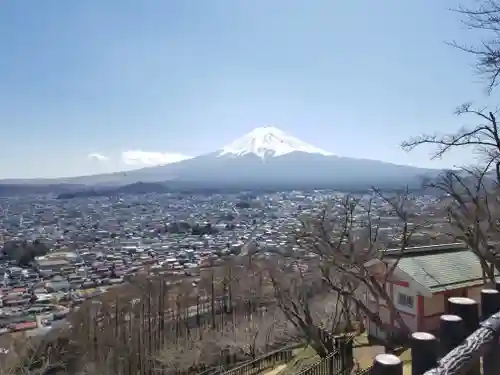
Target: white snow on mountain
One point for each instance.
(268, 141)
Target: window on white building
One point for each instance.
(406, 300)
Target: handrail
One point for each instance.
(464, 355)
(464, 344)
(262, 357)
(328, 357)
(317, 363)
(254, 362)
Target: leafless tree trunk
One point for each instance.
(347, 262)
(473, 208)
(471, 193)
(149, 325)
(307, 304)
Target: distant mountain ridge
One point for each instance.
(13, 189)
(263, 158)
(134, 189)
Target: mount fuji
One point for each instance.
(266, 142)
(266, 157)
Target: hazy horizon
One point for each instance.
(96, 87)
(132, 168)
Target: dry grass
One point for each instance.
(275, 371)
(302, 358)
(364, 353)
(407, 369)
(406, 358)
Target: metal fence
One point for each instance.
(338, 362)
(266, 361)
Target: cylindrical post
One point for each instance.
(451, 333)
(387, 364)
(424, 352)
(468, 310)
(497, 285)
(490, 304)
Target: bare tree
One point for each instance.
(482, 139)
(156, 323)
(306, 303)
(471, 193)
(256, 336)
(193, 354)
(485, 18)
(46, 355)
(473, 208)
(349, 248)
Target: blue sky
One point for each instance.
(354, 77)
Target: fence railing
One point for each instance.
(337, 362)
(266, 361)
(469, 332)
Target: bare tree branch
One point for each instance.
(345, 267)
(484, 138)
(485, 18)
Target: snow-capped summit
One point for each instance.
(268, 141)
(268, 158)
